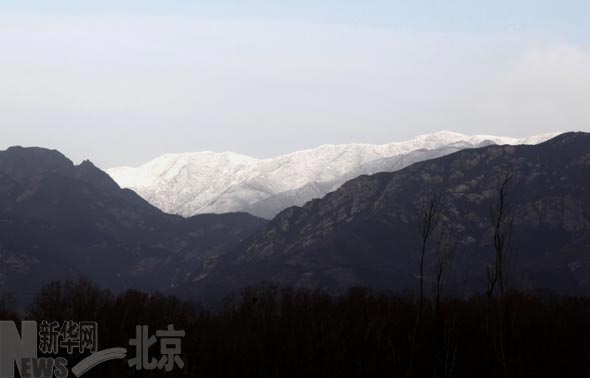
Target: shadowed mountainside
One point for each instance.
(367, 232)
(59, 220)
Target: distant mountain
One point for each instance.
(367, 232)
(208, 182)
(59, 220)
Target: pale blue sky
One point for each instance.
(121, 82)
(561, 16)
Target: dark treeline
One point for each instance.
(281, 332)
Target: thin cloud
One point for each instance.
(91, 85)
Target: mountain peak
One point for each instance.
(202, 182)
(36, 153)
(569, 137)
(25, 162)
(365, 232)
(60, 220)
(89, 173)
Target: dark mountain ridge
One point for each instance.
(366, 233)
(59, 220)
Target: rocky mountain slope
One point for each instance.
(208, 182)
(59, 221)
(367, 232)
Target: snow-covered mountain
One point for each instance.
(209, 182)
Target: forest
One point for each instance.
(271, 331)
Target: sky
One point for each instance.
(122, 82)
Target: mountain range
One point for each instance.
(209, 182)
(60, 221)
(367, 233)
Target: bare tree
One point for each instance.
(442, 262)
(430, 218)
(502, 222)
(430, 214)
(446, 348)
